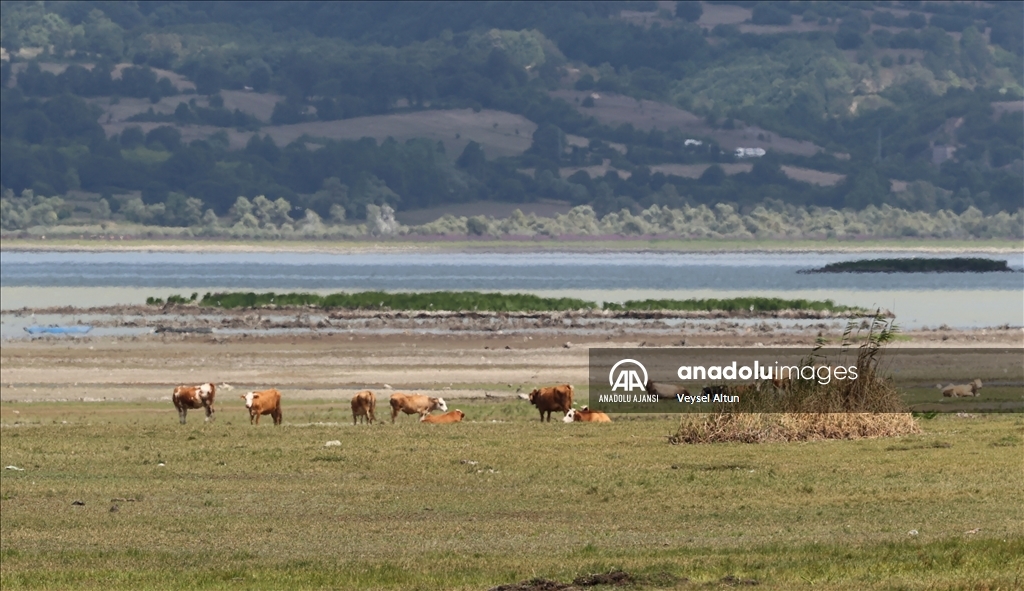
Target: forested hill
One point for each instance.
(337, 106)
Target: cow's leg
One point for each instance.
(277, 417)
(394, 413)
(209, 412)
(254, 417)
(181, 415)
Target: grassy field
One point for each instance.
(468, 506)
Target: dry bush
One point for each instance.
(869, 406)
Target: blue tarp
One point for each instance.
(57, 329)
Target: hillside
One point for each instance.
(616, 105)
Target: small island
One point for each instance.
(916, 265)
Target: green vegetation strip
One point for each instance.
(915, 265)
(464, 301)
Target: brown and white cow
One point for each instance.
(415, 404)
(267, 402)
(201, 396)
(454, 416)
(364, 405)
(552, 398)
(585, 415)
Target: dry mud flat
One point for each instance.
(472, 355)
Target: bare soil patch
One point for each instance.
(498, 132)
(258, 104)
(815, 177)
(723, 14)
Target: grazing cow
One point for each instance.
(201, 396)
(962, 390)
(267, 402)
(454, 416)
(666, 391)
(364, 405)
(417, 404)
(585, 415)
(552, 398)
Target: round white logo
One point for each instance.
(626, 378)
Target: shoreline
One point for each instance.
(511, 247)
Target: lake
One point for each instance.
(41, 279)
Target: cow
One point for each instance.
(364, 405)
(730, 390)
(267, 402)
(201, 396)
(585, 415)
(552, 398)
(962, 390)
(666, 391)
(415, 404)
(454, 416)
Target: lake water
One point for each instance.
(39, 279)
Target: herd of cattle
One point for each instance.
(364, 405)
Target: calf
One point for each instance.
(454, 416)
(415, 404)
(962, 390)
(585, 415)
(364, 405)
(201, 396)
(552, 398)
(267, 402)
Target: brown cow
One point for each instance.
(267, 402)
(364, 405)
(666, 391)
(412, 404)
(454, 416)
(585, 415)
(201, 396)
(962, 390)
(552, 398)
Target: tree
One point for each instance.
(689, 11)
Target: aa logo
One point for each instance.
(627, 377)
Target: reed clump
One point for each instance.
(805, 410)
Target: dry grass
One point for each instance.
(775, 427)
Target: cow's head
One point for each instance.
(461, 414)
(248, 398)
(534, 394)
(440, 404)
(570, 416)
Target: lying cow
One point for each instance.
(454, 416)
(666, 391)
(267, 402)
(551, 399)
(201, 396)
(585, 415)
(962, 390)
(364, 405)
(415, 404)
